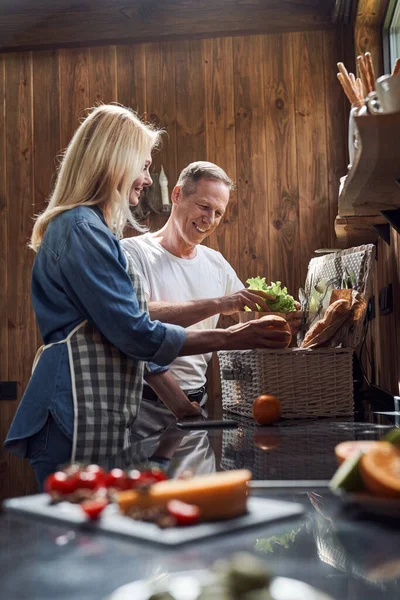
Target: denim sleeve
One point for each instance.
(93, 273)
(153, 368)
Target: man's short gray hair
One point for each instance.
(201, 169)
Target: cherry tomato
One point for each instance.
(185, 514)
(98, 472)
(60, 482)
(93, 508)
(158, 474)
(85, 480)
(133, 479)
(72, 469)
(117, 479)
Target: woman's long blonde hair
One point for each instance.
(105, 156)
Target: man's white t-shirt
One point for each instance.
(167, 278)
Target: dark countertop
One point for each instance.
(350, 555)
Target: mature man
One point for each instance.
(187, 283)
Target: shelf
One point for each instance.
(356, 231)
(373, 183)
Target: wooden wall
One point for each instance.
(382, 354)
(267, 108)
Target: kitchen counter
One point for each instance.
(350, 555)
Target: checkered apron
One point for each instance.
(106, 386)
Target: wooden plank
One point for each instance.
(371, 12)
(386, 360)
(221, 149)
(161, 110)
(3, 230)
(190, 103)
(251, 169)
(46, 129)
(282, 182)
(311, 144)
(46, 124)
(356, 231)
(5, 407)
(19, 191)
(335, 124)
(74, 91)
(220, 135)
(131, 87)
(131, 77)
(368, 30)
(20, 194)
(395, 248)
(102, 75)
(370, 355)
(43, 23)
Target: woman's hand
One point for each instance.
(266, 332)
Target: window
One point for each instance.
(392, 35)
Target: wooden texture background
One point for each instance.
(32, 25)
(267, 108)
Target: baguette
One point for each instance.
(324, 330)
(370, 71)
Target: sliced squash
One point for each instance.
(219, 495)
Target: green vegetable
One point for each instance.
(283, 302)
(270, 544)
(348, 476)
(393, 437)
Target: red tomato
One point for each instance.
(147, 477)
(158, 474)
(60, 482)
(117, 479)
(85, 480)
(93, 508)
(133, 479)
(185, 514)
(98, 472)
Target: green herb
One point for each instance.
(283, 302)
(269, 544)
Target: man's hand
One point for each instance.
(250, 298)
(193, 409)
(165, 386)
(294, 319)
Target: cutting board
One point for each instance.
(260, 511)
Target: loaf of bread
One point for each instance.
(221, 495)
(323, 331)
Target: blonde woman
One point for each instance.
(86, 385)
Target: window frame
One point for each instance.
(391, 35)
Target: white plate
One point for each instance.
(385, 507)
(187, 586)
(260, 512)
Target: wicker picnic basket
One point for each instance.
(309, 383)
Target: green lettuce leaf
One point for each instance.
(283, 302)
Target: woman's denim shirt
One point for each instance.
(80, 273)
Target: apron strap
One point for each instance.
(44, 347)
